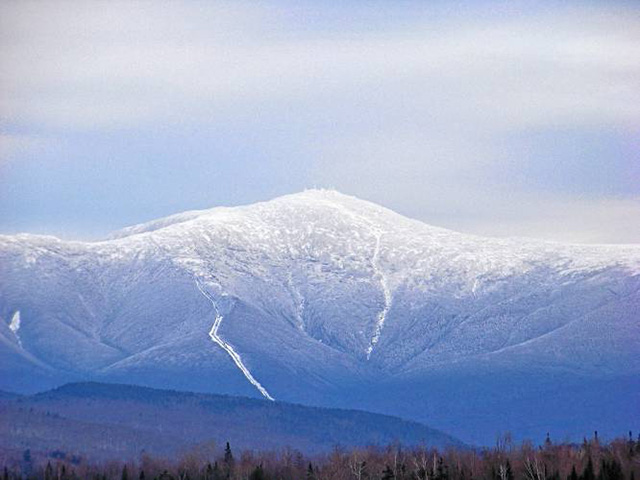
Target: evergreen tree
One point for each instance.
(228, 455)
(48, 472)
(573, 475)
(610, 470)
(387, 473)
(257, 474)
(442, 472)
(588, 473)
(125, 473)
(166, 476)
(141, 476)
(603, 474)
(509, 471)
(311, 475)
(217, 472)
(228, 461)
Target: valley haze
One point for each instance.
(323, 299)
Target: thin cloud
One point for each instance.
(412, 106)
(130, 64)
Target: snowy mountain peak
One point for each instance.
(315, 295)
(286, 205)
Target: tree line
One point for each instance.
(590, 460)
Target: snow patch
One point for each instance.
(14, 325)
(474, 289)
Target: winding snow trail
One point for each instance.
(386, 291)
(213, 333)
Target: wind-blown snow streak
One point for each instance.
(386, 292)
(299, 299)
(474, 289)
(14, 326)
(213, 333)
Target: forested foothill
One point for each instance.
(592, 459)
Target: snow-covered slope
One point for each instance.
(316, 297)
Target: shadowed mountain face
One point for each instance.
(324, 299)
(106, 421)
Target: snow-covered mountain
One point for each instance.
(326, 299)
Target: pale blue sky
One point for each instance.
(508, 118)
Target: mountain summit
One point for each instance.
(323, 298)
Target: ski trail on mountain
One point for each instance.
(213, 333)
(386, 292)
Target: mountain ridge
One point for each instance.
(312, 297)
(116, 421)
(326, 196)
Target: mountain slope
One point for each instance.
(117, 421)
(318, 298)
